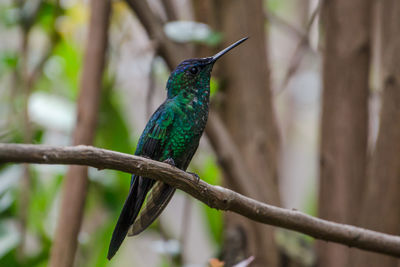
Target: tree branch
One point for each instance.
(214, 196)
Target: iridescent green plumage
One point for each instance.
(175, 128)
(172, 133)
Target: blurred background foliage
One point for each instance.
(50, 63)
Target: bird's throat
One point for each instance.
(194, 98)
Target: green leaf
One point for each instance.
(8, 61)
(46, 16)
(70, 57)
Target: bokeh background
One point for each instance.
(300, 103)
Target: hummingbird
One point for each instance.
(171, 135)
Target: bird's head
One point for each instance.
(192, 74)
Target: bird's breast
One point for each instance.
(187, 130)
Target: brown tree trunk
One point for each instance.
(76, 182)
(248, 113)
(381, 210)
(344, 117)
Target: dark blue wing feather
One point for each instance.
(151, 144)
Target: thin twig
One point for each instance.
(173, 53)
(277, 20)
(214, 196)
(297, 54)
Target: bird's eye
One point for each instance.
(194, 70)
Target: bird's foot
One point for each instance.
(170, 161)
(196, 176)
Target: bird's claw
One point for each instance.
(170, 161)
(197, 177)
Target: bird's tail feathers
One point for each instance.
(157, 200)
(130, 211)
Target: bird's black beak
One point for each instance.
(226, 50)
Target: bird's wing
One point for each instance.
(157, 200)
(152, 141)
(151, 144)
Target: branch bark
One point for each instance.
(214, 196)
(76, 181)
